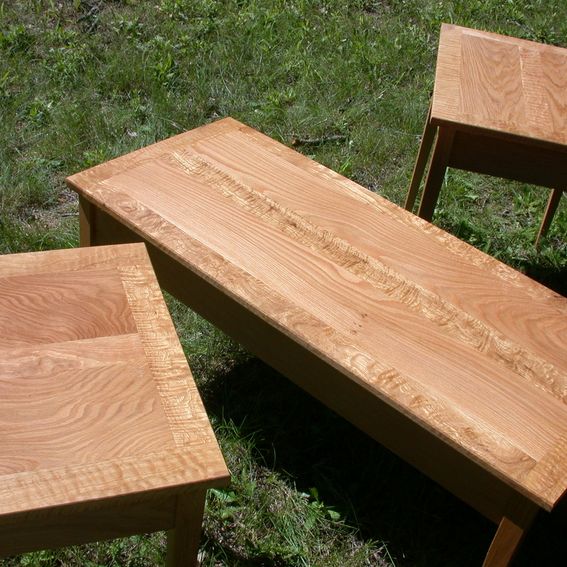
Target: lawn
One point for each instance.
(82, 81)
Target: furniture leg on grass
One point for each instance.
(444, 355)
(550, 209)
(422, 157)
(103, 433)
(436, 173)
(502, 102)
(183, 539)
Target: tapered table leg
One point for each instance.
(510, 533)
(436, 173)
(421, 161)
(183, 540)
(552, 205)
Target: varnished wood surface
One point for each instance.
(461, 344)
(63, 307)
(501, 84)
(96, 398)
(499, 107)
(350, 399)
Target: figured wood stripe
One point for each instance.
(452, 321)
(48, 308)
(461, 375)
(553, 67)
(444, 265)
(186, 417)
(61, 261)
(537, 100)
(378, 226)
(72, 412)
(468, 435)
(81, 483)
(350, 312)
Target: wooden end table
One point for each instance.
(446, 356)
(499, 107)
(102, 430)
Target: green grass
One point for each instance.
(84, 81)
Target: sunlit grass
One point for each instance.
(83, 81)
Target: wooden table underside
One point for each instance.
(449, 358)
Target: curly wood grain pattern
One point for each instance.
(501, 84)
(96, 398)
(352, 358)
(465, 346)
(164, 355)
(452, 321)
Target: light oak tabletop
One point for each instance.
(470, 349)
(501, 84)
(96, 397)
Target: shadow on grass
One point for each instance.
(386, 499)
(551, 277)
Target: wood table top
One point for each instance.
(501, 84)
(96, 396)
(462, 344)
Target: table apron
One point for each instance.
(509, 159)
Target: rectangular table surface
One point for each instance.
(468, 348)
(501, 85)
(96, 398)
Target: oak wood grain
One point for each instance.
(500, 84)
(98, 405)
(455, 471)
(60, 307)
(469, 349)
(59, 410)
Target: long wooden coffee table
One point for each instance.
(451, 359)
(102, 430)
